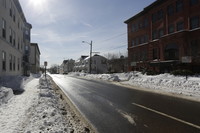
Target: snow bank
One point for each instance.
(5, 94)
(39, 108)
(50, 113)
(13, 85)
(13, 113)
(160, 83)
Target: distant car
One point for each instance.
(65, 73)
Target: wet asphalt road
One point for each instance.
(115, 109)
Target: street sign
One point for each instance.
(133, 63)
(45, 63)
(186, 59)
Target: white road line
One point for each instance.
(166, 115)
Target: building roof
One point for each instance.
(36, 45)
(145, 10)
(96, 55)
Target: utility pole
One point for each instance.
(90, 57)
(90, 65)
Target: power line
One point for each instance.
(112, 37)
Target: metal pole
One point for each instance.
(90, 56)
(45, 72)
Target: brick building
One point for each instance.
(165, 36)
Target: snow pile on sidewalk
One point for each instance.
(5, 94)
(50, 113)
(38, 109)
(159, 83)
(13, 84)
(13, 113)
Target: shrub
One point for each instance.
(182, 72)
(151, 73)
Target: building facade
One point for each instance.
(34, 58)
(67, 66)
(165, 36)
(98, 64)
(14, 39)
(80, 65)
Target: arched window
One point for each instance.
(171, 52)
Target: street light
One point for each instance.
(90, 53)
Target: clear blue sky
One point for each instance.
(60, 26)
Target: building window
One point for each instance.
(14, 41)
(10, 61)
(154, 17)
(179, 5)
(146, 23)
(157, 16)
(133, 43)
(14, 61)
(133, 27)
(179, 26)
(18, 62)
(146, 38)
(14, 15)
(195, 48)
(4, 28)
(10, 10)
(155, 53)
(136, 27)
(136, 41)
(18, 44)
(10, 35)
(154, 35)
(160, 32)
(160, 14)
(194, 22)
(194, 2)
(143, 56)
(171, 52)
(170, 10)
(141, 40)
(4, 61)
(171, 29)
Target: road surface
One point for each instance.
(115, 109)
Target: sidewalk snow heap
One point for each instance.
(160, 83)
(51, 114)
(38, 109)
(12, 84)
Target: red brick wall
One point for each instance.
(182, 39)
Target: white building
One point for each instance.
(98, 64)
(14, 39)
(67, 66)
(80, 65)
(34, 58)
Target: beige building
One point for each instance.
(34, 58)
(14, 39)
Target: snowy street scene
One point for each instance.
(102, 66)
